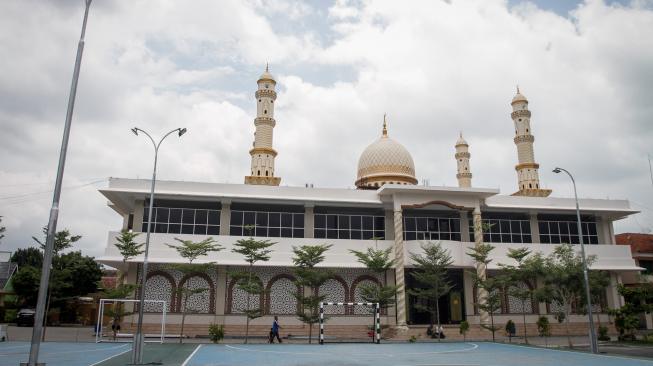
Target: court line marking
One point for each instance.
(110, 357)
(582, 353)
(191, 355)
(473, 347)
(59, 352)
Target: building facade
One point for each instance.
(387, 210)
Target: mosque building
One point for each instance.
(388, 209)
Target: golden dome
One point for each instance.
(266, 75)
(385, 161)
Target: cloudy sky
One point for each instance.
(435, 67)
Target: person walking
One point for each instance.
(274, 332)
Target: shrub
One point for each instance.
(511, 329)
(216, 332)
(10, 315)
(603, 333)
(464, 328)
(412, 339)
(543, 326)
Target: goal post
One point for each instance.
(100, 321)
(376, 336)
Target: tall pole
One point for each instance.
(593, 344)
(54, 210)
(650, 170)
(137, 351)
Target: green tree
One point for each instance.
(26, 284)
(379, 262)
(431, 274)
(464, 328)
(521, 279)
(564, 280)
(491, 285)
(190, 251)
(307, 276)
(543, 328)
(2, 230)
(128, 249)
(254, 251)
(62, 240)
(27, 257)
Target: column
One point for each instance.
(480, 267)
(309, 221)
(614, 299)
(138, 215)
(535, 228)
(399, 268)
(464, 227)
(221, 290)
(389, 225)
(541, 305)
(468, 283)
(225, 217)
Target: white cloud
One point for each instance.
(435, 67)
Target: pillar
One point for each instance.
(464, 227)
(225, 217)
(399, 268)
(221, 290)
(480, 267)
(614, 299)
(535, 228)
(468, 283)
(138, 215)
(389, 225)
(309, 221)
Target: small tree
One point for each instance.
(518, 277)
(543, 328)
(190, 251)
(492, 286)
(378, 261)
(2, 230)
(431, 273)
(305, 259)
(464, 328)
(128, 248)
(62, 240)
(254, 251)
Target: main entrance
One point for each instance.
(452, 309)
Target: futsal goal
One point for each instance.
(374, 309)
(99, 330)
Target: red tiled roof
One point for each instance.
(639, 243)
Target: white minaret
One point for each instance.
(527, 169)
(262, 168)
(462, 159)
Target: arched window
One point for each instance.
(530, 185)
(266, 173)
(259, 172)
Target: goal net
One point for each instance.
(101, 334)
(373, 335)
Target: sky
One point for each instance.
(437, 68)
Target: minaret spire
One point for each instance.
(464, 174)
(262, 153)
(528, 180)
(385, 126)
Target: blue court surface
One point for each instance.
(385, 354)
(56, 353)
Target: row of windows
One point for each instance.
(431, 228)
(200, 221)
(267, 224)
(334, 226)
(504, 231)
(183, 221)
(556, 232)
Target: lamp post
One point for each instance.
(137, 351)
(48, 251)
(593, 344)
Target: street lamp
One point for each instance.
(137, 352)
(593, 344)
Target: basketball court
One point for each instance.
(384, 354)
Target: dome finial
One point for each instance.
(267, 69)
(385, 126)
(517, 88)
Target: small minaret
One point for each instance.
(462, 159)
(527, 169)
(262, 168)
